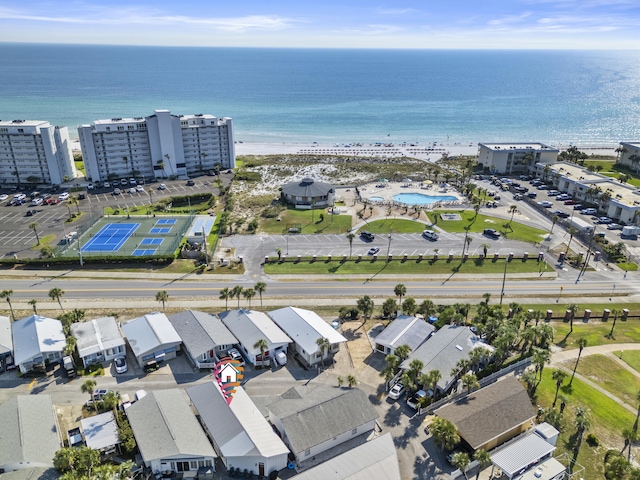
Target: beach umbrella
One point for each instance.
(383, 180)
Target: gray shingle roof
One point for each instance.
(200, 331)
(307, 187)
(249, 326)
(490, 411)
(37, 473)
(375, 459)
(97, 335)
(444, 349)
(322, 414)
(164, 425)
(405, 330)
(29, 430)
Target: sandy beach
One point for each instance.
(430, 152)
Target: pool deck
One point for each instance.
(387, 191)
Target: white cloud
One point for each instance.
(510, 19)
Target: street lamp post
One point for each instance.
(504, 278)
(388, 248)
(287, 239)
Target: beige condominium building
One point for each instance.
(514, 158)
(36, 152)
(161, 145)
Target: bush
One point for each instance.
(271, 212)
(592, 440)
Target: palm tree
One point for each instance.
(572, 232)
(260, 288)
(485, 248)
(539, 358)
(629, 435)
(350, 237)
(615, 312)
(513, 209)
(87, 387)
(402, 352)
(409, 307)
(352, 381)
(554, 220)
(483, 458)
(389, 371)
(365, 305)
(225, 294)
(236, 292)
(340, 381)
(56, 294)
(635, 425)
(33, 302)
(581, 344)
(445, 434)
(248, 294)
(323, 344)
(162, 296)
(6, 294)
(572, 309)
(73, 200)
(470, 381)
(461, 461)
(400, 290)
(261, 345)
(559, 377)
(33, 226)
(70, 345)
(583, 423)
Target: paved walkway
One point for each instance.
(566, 355)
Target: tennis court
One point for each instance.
(110, 237)
(122, 236)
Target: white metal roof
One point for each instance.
(97, 335)
(516, 457)
(249, 326)
(100, 431)
(238, 429)
(305, 327)
(35, 335)
(6, 342)
(375, 459)
(150, 331)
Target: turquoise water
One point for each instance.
(336, 96)
(421, 198)
(376, 199)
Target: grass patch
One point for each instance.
(609, 375)
(596, 333)
(630, 266)
(608, 419)
(611, 169)
(309, 221)
(44, 241)
(368, 266)
(511, 230)
(74, 217)
(631, 358)
(395, 225)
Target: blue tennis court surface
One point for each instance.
(110, 237)
(141, 252)
(166, 221)
(160, 230)
(151, 241)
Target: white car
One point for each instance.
(70, 236)
(4, 196)
(120, 364)
(116, 191)
(132, 181)
(132, 190)
(234, 354)
(396, 391)
(139, 188)
(430, 234)
(90, 186)
(36, 201)
(107, 185)
(162, 186)
(63, 196)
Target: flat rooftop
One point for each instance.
(518, 146)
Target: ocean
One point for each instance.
(333, 95)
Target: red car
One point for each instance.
(569, 202)
(51, 201)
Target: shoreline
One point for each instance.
(431, 152)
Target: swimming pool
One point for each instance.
(422, 199)
(375, 198)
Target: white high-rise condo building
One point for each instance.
(158, 146)
(34, 151)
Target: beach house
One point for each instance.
(308, 193)
(37, 342)
(98, 340)
(152, 338)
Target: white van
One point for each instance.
(430, 235)
(281, 358)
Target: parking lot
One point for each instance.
(17, 238)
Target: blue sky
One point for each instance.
(519, 24)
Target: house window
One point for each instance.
(194, 465)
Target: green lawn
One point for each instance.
(608, 419)
(632, 358)
(379, 266)
(512, 230)
(611, 169)
(395, 225)
(596, 332)
(306, 220)
(609, 375)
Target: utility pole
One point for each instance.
(388, 248)
(504, 278)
